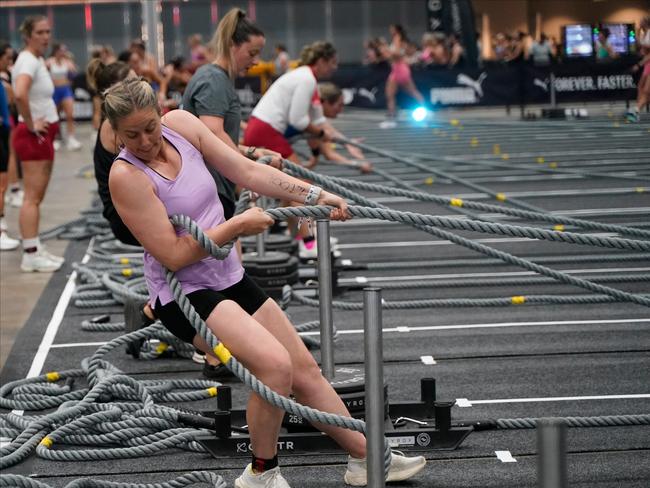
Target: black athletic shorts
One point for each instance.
(246, 293)
(4, 148)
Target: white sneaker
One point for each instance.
(198, 356)
(268, 479)
(57, 259)
(37, 262)
(387, 124)
(307, 251)
(401, 468)
(15, 198)
(73, 144)
(7, 243)
(57, 145)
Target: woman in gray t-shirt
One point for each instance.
(211, 94)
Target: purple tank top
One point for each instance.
(192, 193)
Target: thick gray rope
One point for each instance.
(471, 302)
(412, 218)
(488, 251)
(485, 207)
(194, 477)
(246, 377)
(319, 212)
(603, 421)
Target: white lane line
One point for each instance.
(505, 457)
(464, 402)
(428, 360)
(431, 327)
(496, 324)
(53, 325)
(375, 279)
(490, 240)
(55, 321)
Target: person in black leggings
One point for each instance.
(100, 77)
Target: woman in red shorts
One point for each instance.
(33, 138)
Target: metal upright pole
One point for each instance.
(152, 28)
(551, 453)
(325, 298)
(374, 376)
(552, 89)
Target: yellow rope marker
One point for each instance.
(540, 160)
(428, 181)
(127, 272)
(505, 156)
(162, 347)
(610, 114)
(88, 174)
(518, 300)
(454, 122)
(124, 261)
(454, 137)
(558, 227)
(47, 442)
(640, 189)
(456, 202)
(222, 353)
(474, 142)
(501, 197)
(52, 376)
(212, 391)
(496, 149)
(552, 165)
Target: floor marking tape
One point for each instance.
(376, 245)
(428, 360)
(505, 457)
(464, 402)
(364, 279)
(497, 324)
(403, 329)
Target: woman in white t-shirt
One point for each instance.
(33, 137)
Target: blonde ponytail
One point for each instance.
(233, 29)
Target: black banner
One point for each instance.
(363, 86)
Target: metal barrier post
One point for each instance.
(374, 375)
(551, 453)
(325, 298)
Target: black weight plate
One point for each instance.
(271, 257)
(258, 269)
(348, 380)
(276, 281)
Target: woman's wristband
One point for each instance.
(313, 194)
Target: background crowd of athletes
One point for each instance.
(435, 51)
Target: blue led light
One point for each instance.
(419, 114)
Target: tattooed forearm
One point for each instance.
(288, 186)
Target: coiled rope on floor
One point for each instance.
(194, 477)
